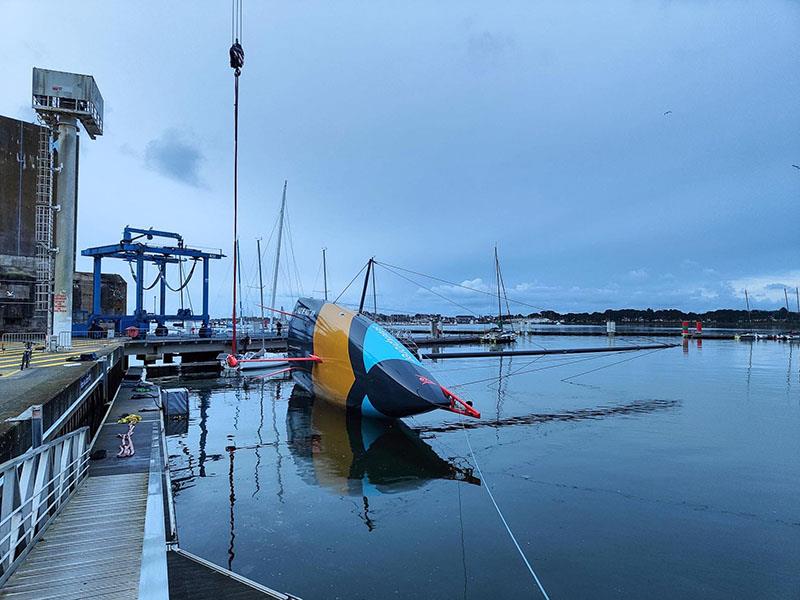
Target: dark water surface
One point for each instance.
(674, 474)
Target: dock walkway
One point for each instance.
(111, 539)
(94, 548)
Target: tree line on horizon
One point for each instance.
(672, 316)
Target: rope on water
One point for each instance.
(503, 519)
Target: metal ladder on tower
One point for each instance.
(44, 223)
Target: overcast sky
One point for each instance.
(621, 154)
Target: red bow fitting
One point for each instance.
(458, 405)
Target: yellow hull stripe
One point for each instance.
(333, 377)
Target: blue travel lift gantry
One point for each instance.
(137, 252)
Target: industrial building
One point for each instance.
(39, 289)
(19, 144)
(19, 177)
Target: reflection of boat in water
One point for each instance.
(361, 457)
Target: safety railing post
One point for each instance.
(36, 426)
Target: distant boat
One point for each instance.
(260, 360)
(499, 335)
(748, 336)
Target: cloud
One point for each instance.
(524, 297)
(176, 157)
(128, 150)
(765, 287)
(488, 48)
(638, 274)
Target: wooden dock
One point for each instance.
(115, 538)
(94, 548)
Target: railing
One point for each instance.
(14, 341)
(17, 341)
(34, 487)
(92, 339)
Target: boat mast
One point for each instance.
(325, 274)
(278, 253)
(497, 274)
(747, 303)
(261, 290)
(238, 260)
(366, 285)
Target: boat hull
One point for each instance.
(362, 367)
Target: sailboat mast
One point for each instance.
(325, 275)
(497, 274)
(261, 290)
(278, 252)
(366, 285)
(747, 303)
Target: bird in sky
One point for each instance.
(668, 112)
(796, 166)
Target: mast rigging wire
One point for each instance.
(427, 288)
(466, 287)
(351, 283)
(291, 251)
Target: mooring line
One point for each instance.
(503, 519)
(619, 362)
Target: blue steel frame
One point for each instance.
(131, 250)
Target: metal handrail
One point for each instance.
(83, 457)
(14, 339)
(84, 469)
(34, 488)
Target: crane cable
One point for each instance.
(152, 285)
(236, 53)
(184, 280)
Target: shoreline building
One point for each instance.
(40, 292)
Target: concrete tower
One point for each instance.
(61, 101)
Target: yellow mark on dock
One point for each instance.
(11, 359)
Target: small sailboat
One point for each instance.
(748, 336)
(260, 360)
(499, 334)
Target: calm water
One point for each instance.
(672, 475)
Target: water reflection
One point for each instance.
(580, 414)
(361, 457)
